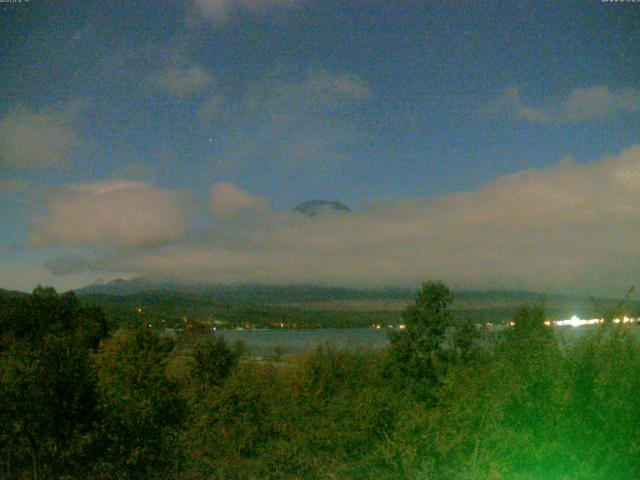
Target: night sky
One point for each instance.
(487, 144)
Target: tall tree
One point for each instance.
(417, 351)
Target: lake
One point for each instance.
(264, 342)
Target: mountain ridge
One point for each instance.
(264, 293)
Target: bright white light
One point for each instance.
(575, 321)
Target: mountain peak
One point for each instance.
(312, 208)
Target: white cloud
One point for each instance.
(227, 198)
(183, 81)
(32, 140)
(599, 102)
(581, 104)
(509, 104)
(118, 212)
(220, 11)
(571, 226)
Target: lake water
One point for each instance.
(264, 342)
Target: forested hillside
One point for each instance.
(267, 306)
(80, 401)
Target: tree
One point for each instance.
(30, 318)
(417, 351)
(528, 324)
(213, 361)
(141, 409)
(47, 385)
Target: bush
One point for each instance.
(141, 409)
(213, 360)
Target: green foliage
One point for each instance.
(320, 418)
(520, 407)
(47, 388)
(417, 353)
(141, 409)
(32, 317)
(213, 360)
(347, 409)
(604, 368)
(229, 425)
(528, 323)
(525, 409)
(465, 339)
(48, 406)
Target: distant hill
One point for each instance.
(262, 306)
(124, 287)
(244, 293)
(146, 291)
(308, 306)
(260, 293)
(315, 207)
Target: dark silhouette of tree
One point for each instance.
(528, 324)
(417, 352)
(47, 384)
(32, 317)
(213, 360)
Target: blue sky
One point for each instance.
(133, 138)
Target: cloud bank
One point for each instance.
(111, 213)
(570, 226)
(581, 104)
(227, 198)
